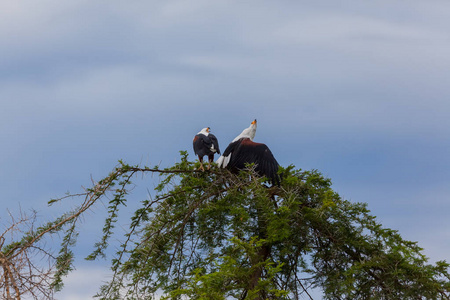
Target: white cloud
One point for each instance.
(320, 76)
(335, 28)
(83, 283)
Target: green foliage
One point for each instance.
(218, 235)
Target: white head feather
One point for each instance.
(247, 132)
(204, 131)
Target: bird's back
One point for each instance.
(202, 145)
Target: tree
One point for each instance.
(26, 265)
(218, 235)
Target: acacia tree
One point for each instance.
(218, 235)
(26, 264)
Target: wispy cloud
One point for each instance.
(83, 283)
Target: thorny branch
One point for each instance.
(19, 274)
(21, 269)
(170, 240)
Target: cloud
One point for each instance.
(357, 90)
(83, 283)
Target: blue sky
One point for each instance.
(357, 90)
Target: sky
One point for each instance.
(355, 89)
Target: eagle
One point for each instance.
(205, 143)
(243, 150)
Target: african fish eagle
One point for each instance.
(205, 143)
(242, 150)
